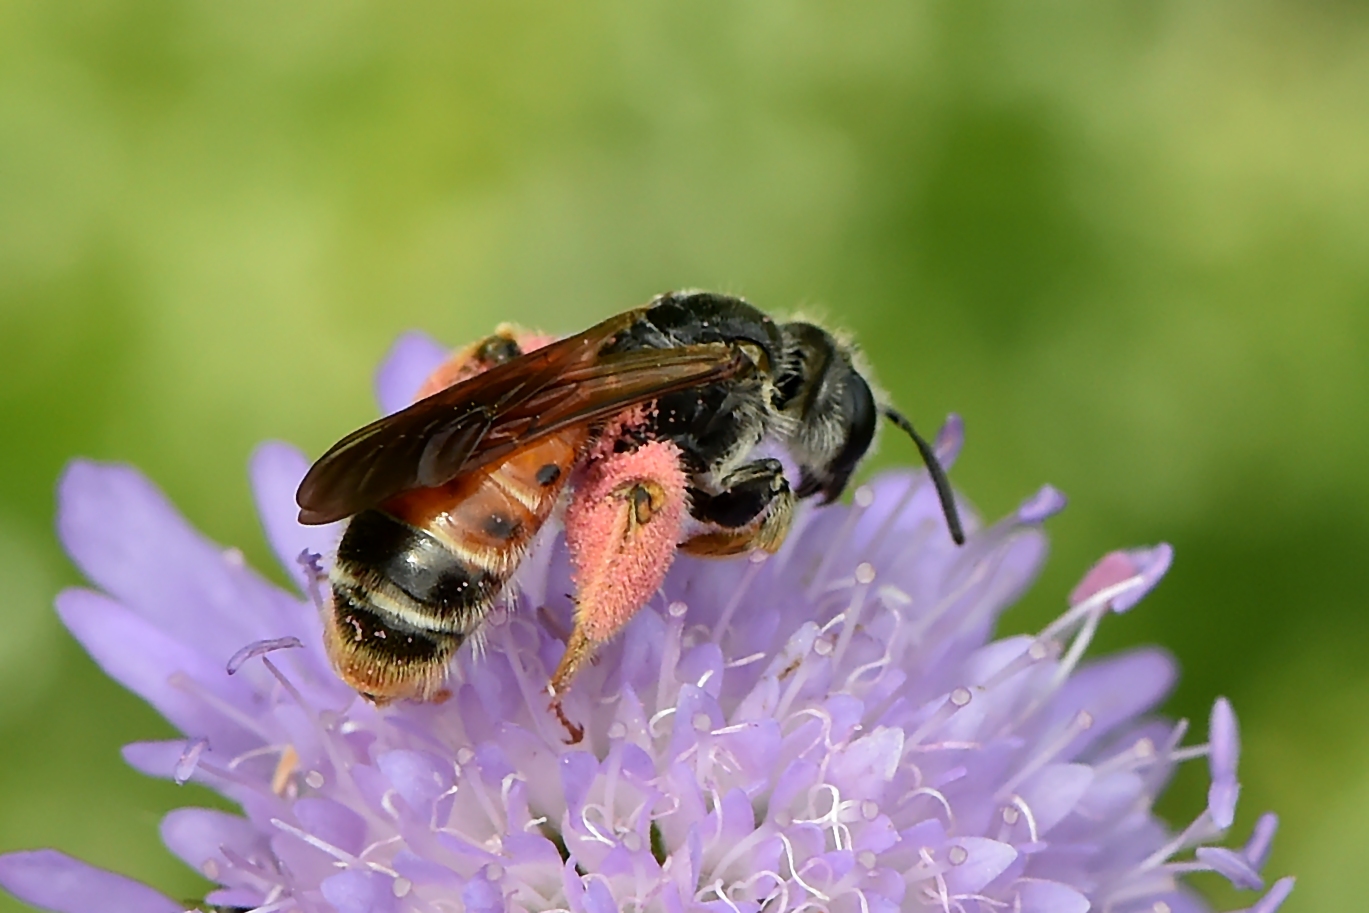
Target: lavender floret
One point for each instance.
(830, 728)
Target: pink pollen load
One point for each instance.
(622, 528)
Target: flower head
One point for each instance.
(830, 728)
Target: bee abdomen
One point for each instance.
(363, 627)
(378, 653)
(411, 576)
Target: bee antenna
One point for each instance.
(938, 474)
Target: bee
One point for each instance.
(654, 421)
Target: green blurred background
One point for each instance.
(1128, 241)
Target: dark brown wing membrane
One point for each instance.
(480, 420)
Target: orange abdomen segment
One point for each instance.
(489, 516)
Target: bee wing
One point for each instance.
(487, 417)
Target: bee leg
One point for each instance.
(551, 623)
(754, 510)
(622, 527)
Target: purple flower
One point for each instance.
(830, 728)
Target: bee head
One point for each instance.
(830, 407)
(832, 415)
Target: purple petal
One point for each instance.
(246, 898)
(1257, 847)
(333, 823)
(578, 770)
(1146, 565)
(1232, 866)
(1047, 502)
(598, 898)
(1054, 791)
(405, 367)
(1153, 564)
(734, 816)
(276, 470)
(156, 759)
(868, 761)
(55, 881)
(1225, 740)
(1221, 801)
(480, 895)
(359, 892)
(1035, 896)
(418, 777)
(427, 872)
(1113, 691)
(1224, 751)
(976, 861)
(147, 662)
(1275, 898)
(1013, 553)
(1111, 795)
(133, 544)
(198, 835)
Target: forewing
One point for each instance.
(487, 417)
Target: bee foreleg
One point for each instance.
(747, 492)
(754, 510)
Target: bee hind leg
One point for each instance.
(622, 526)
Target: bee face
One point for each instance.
(653, 417)
(830, 406)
